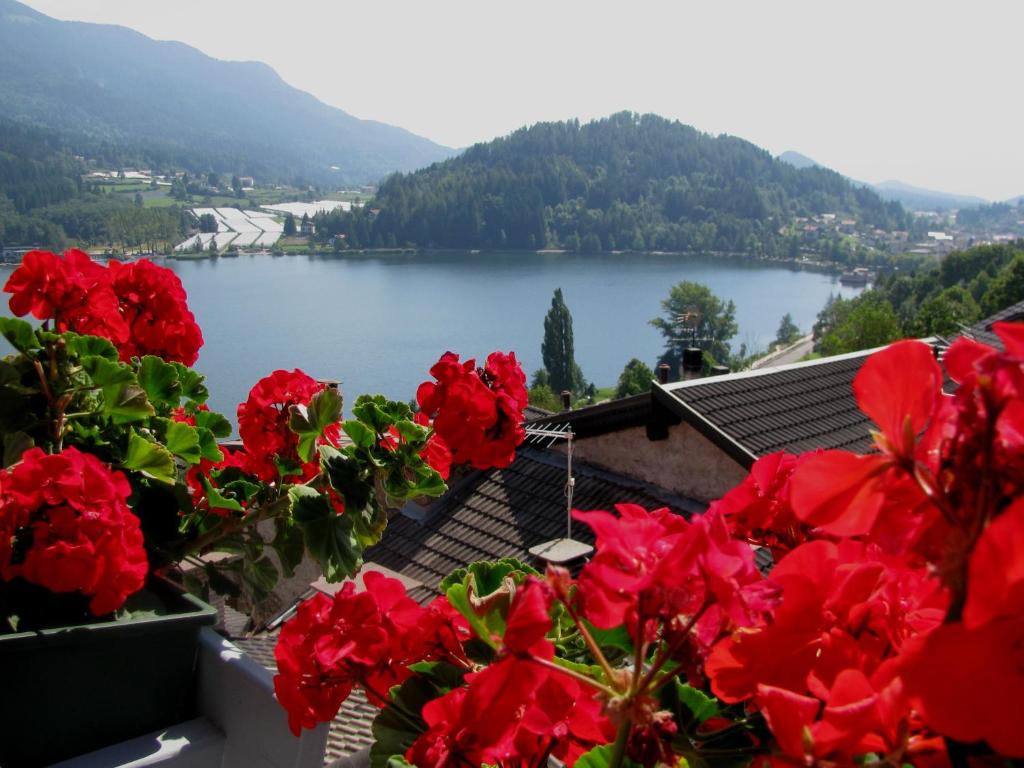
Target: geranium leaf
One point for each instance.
(90, 346)
(217, 500)
(288, 544)
(260, 576)
(160, 380)
(394, 731)
(699, 706)
(329, 537)
(150, 459)
(126, 403)
(213, 421)
(220, 583)
(359, 433)
(345, 475)
(600, 757)
(192, 386)
(20, 334)
(208, 448)
(182, 440)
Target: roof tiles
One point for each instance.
(793, 408)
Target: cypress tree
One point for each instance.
(557, 347)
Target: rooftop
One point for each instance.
(793, 408)
(982, 330)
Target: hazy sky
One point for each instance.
(925, 92)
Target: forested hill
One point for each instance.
(107, 84)
(624, 182)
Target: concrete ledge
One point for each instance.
(196, 744)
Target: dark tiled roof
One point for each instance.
(982, 330)
(504, 512)
(793, 408)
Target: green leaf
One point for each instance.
(150, 459)
(213, 421)
(260, 576)
(220, 583)
(191, 382)
(126, 404)
(15, 444)
(208, 448)
(380, 413)
(20, 334)
(699, 705)
(359, 433)
(183, 440)
(218, 501)
(346, 476)
(289, 544)
(108, 373)
(198, 586)
(90, 346)
(124, 401)
(600, 757)
(329, 537)
(160, 381)
(309, 423)
(393, 731)
(612, 638)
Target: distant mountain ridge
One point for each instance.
(626, 182)
(914, 198)
(109, 82)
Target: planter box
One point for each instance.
(73, 690)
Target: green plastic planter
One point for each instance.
(65, 692)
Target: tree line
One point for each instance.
(627, 182)
(939, 299)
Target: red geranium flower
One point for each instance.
(364, 638)
(966, 678)
(263, 422)
(759, 509)
(65, 524)
(73, 291)
(842, 493)
(153, 304)
(478, 413)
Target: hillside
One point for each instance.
(627, 182)
(107, 84)
(910, 197)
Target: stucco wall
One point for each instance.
(686, 463)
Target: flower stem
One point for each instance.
(608, 691)
(619, 747)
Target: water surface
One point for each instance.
(378, 323)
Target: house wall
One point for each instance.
(686, 463)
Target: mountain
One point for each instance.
(919, 199)
(797, 160)
(627, 182)
(911, 197)
(108, 84)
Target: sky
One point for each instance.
(924, 92)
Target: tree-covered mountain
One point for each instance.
(108, 86)
(627, 182)
(910, 197)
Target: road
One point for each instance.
(790, 354)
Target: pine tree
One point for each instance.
(557, 348)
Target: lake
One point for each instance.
(378, 323)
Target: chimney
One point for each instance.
(663, 371)
(566, 400)
(719, 370)
(693, 363)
